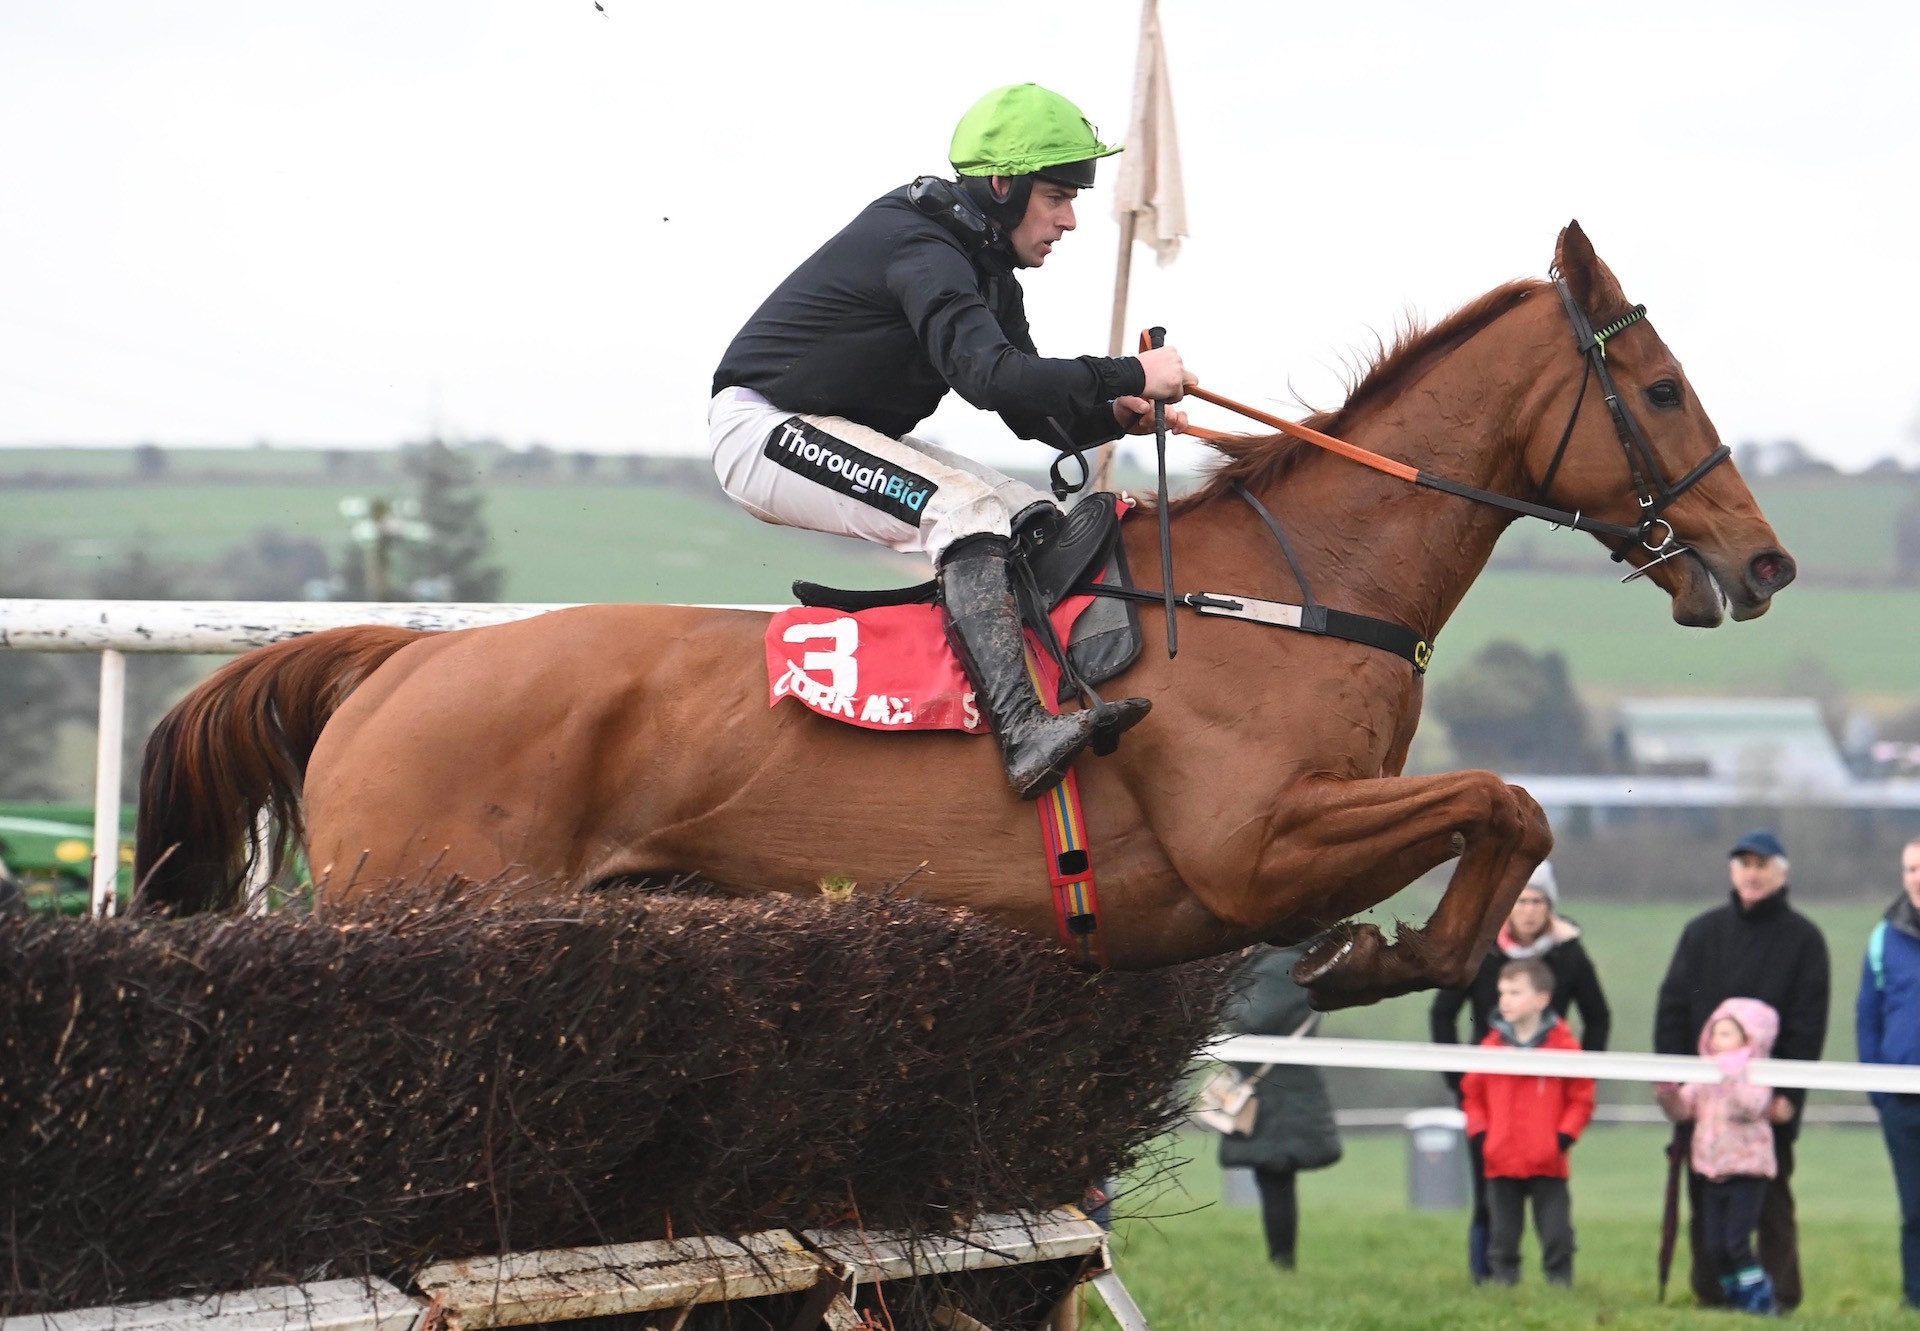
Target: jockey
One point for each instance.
(815, 400)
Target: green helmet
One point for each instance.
(1024, 129)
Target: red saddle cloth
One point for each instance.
(888, 668)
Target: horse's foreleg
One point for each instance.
(1338, 847)
(1466, 923)
(1359, 966)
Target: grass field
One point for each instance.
(1368, 1263)
(1622, 639)
(568, 541)
(1837, 523)
(557, 542)
(1833, 524)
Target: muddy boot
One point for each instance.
(983, 626)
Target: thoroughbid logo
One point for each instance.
(851, 471)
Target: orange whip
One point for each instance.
(1352, 452)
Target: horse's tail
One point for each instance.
(237, 744)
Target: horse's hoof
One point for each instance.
(1337, 968)
(1327, 950)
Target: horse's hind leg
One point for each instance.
(1503, 845)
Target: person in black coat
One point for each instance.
(1534, 929)
(1755, 946)
(1293, 1126)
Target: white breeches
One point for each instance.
(828, 474)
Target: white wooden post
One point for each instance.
(106, 783)
(257, 892)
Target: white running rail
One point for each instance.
(1406, 1056)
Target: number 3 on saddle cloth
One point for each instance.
(880, 660)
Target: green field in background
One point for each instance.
(1841, 524)
(1622, 639)
(558, 541)
(1367, 1261)
(611, 541)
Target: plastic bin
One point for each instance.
(1437, 1161)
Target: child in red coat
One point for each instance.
(1526, 1126)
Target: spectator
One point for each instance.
(1887, 1021)
(1755, 946)
(1525, 1127)
(1732, 1148)
(1535, 928)
(1293, 1126)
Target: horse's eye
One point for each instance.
(1666, 393)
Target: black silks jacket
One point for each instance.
(1770, 952)
(892, 313)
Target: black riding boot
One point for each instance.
(983, 625)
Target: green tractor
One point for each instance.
(46, 858)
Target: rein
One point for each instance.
(1650, 486)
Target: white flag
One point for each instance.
(1149, 186)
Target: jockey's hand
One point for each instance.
(1135, 416)
(1167, 377)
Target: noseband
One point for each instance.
(1654, 533)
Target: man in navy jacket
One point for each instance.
(1755, 946)
(1887, 1019)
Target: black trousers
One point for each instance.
(1779, 1236)
(1279, 1213)
(1729, 1214)
(1552, 1221)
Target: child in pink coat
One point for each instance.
(1732, 1144)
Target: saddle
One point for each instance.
(1056, 555)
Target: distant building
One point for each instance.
(1769, 749)
(1716, 765)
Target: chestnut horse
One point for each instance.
(1261, 800)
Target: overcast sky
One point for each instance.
(356, 222)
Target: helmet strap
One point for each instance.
(1007, 211)
(955, 210)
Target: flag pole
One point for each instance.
(1122, 272)
(1149, 183)
(1116, 338)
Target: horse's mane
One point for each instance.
(1257, 461)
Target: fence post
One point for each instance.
(257, 891)
(106, 782)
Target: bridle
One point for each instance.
(1651, 489)
(1650, 485)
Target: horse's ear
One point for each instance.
(1594, 286)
